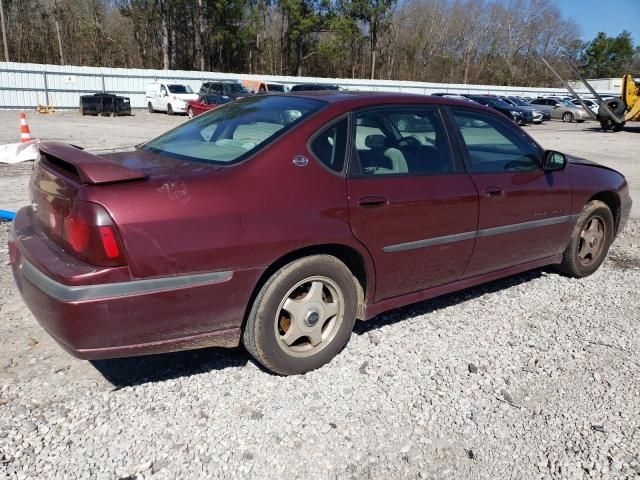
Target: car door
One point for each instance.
(555, 108)
(410, 202)
(524, 211)
(163, 98)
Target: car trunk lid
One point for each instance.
(59, 172)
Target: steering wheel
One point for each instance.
(406, 141)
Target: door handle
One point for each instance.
(493, 192)
(371, 201)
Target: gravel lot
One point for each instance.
(535, 376)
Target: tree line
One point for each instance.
(458, 41)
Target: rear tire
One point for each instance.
(590, 241)
(302, 316)
(150, 107)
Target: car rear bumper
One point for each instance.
(125, 318)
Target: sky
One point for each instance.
(608, 16)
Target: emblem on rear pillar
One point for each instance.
(300, 161)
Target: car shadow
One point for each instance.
(132, 371)
(438, 303)
(626, 128)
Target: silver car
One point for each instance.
(561, 109)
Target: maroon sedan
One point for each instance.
(204, 103)
(277, 221)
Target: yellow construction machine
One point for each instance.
(613, 113)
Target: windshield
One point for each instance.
(496, 102)
(518, 101)
(180, 89)
(274, 87)
(567, 103)
(234, 131)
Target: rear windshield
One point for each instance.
(275, 88)
(234, 131)
(180, 89)
(235, 88)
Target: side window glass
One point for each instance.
(330, 146)
(493, 146)
(402, 141)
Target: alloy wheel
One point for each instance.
(309, 316)
(592, 240)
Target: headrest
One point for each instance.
(375, 141)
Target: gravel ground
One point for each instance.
(535, 376)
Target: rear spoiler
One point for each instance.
(90, 168)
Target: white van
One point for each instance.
(168, 97)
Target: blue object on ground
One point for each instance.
(7, 215)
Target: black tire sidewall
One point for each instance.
(266, 305)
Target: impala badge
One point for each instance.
(300, 161)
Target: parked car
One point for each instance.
(277, 220)
(260, 87)
(538, 115)
(308, 87)
(561, 109)
(205, 103)
(593, 106)
(168, 97)
(519, 115)
(522, 102)
(228, 88)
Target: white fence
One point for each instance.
(25, 85)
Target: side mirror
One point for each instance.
(554, 161)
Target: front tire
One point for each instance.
(590, 240)
(150, 107)
(567, 117)
(169, 109)
(190, 112)
(303, 315)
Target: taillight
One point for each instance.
(89, 232)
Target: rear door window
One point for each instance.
(401, 140)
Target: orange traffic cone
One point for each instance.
(25, 133)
